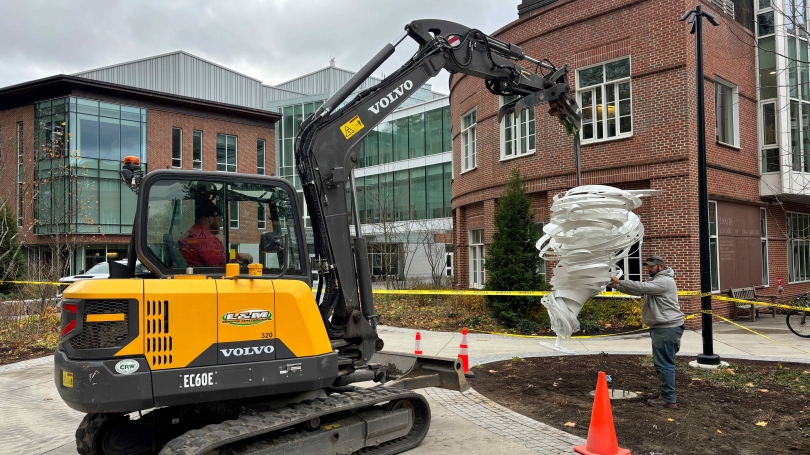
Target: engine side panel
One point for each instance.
(299, 327)
(246, 324)
(180, 323)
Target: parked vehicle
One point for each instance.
(98, 271)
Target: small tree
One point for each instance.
(12, 257)
(512, 261)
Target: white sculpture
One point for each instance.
(591, 228)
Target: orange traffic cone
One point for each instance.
(601, 433)
(418, 348)
(464, 356)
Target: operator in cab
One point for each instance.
(201, 247)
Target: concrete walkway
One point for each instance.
(36, 421)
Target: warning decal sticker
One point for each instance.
(351, 127)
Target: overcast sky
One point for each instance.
(271, 40)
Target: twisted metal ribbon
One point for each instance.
(591, 228)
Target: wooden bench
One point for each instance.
(750, 310)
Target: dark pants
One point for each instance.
(665, 344)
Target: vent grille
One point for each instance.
(726, 5)
(158, 338)
(96, 335)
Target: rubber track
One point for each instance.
(200, 441)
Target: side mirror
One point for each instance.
(271, 242)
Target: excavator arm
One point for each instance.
(327, 151)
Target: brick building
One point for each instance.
(63, 139)
(632, 64)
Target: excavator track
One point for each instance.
(235, 433)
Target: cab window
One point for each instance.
(206, 224)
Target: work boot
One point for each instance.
(661, 402)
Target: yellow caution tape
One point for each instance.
(757, 333)
(52, 283)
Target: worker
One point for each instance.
(662, 313)
(201, 247)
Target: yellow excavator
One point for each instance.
(218, 344)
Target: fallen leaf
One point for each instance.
(670, 419)
(492, 371)
(806, 372)
(730, 371)
(697, 379)
(750, 384)
(719, 432)
(554, 385)
(762, 424)
(655, 426)
(762, 390)
(570, 424)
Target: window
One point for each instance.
(385, 259)
(763, 232)
(727, 113)
(448, 260)
(477, 273)
(714, 251)
(517, 132)
(261, 217)
(767, 140)
(260, 156)
(179, 214)
(604, 93)
(226, 153)
(177, 147)
(20, 174)
(631, 265)
(798, 226)
(88, 198)
(196, 152)
(233, 208)
(469, 159)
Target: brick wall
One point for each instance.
(661, 154)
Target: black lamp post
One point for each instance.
(708, 357)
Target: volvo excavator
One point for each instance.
(238, 355)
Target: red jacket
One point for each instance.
(201, 248)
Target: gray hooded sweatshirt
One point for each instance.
(661, 308)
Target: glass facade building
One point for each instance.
(79, 147)
(413, 191)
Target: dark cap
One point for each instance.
(655, 260)
(206, 208)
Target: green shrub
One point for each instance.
(512, 259)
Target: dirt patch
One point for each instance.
(10, 353)
(749, 409)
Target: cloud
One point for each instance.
(272, 41)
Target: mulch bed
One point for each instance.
(14, 352)
(751, 408)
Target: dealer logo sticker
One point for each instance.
(127, 366)
(247, 317)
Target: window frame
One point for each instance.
(517, 132)
(261, 217)
(233, 223)
(763, 147)
(805, 246)
(464, 135)
(579, 91)
(196, 164)
(714, 238)
(477, 282)
(763, 237)
(236, 154)
(735, 111)
(261, 165)
(179, 147)
(20, 136)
